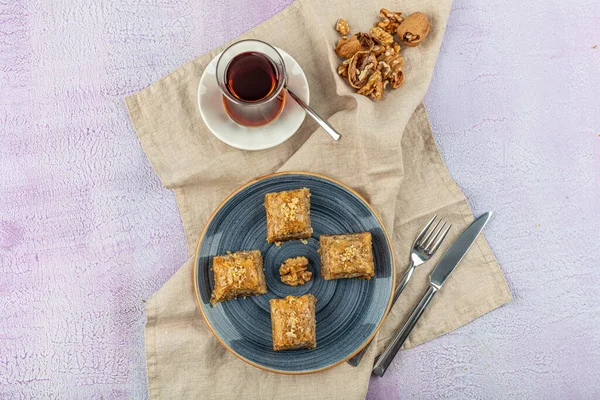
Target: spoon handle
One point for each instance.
(328, 128)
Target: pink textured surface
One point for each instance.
(87, 232)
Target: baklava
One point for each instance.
(238, 274)
(288, 215)
(293, 322)
(347, 256)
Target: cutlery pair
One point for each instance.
(426, 244)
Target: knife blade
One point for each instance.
(457, 251)
(438, 277)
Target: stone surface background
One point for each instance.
(87, 233)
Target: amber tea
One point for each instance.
(251, 79)
(251, 76)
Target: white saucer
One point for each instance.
(211, 108)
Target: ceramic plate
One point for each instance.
(216, 119)
(349, 311)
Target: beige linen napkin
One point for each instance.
(387, 154)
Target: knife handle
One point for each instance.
(390, 351)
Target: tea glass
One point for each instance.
(252, 113)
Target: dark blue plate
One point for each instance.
(349, 311)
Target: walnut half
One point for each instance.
(295, 272)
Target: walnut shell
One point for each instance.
(362, 65)
(348, 47)
(414, 29)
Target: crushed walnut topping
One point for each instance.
(350, 253)
(291, 324)
(238, 273)
(290, 209)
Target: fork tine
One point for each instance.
(429, 243)
(440, 240)
(418, 239)
(426, 238)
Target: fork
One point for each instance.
(424, 246)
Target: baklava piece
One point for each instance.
(288, 215)
(238, 274)
(347, 256)
(293, 322)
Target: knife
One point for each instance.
(437, 278)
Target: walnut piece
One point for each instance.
(381, 37)
(362, 65)
(388, 26)
(385, 69)
(388, 54)
(295, 272)
(389, 20)
(343, 68)
(342, 27)
(394, 74)
(348, 47)
(414, 29)
(378, 50)
(395, 61)
(394, 16)
(369, 87)
(378, 91)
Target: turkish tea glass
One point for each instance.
(251, 76)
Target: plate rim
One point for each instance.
(195, 272)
